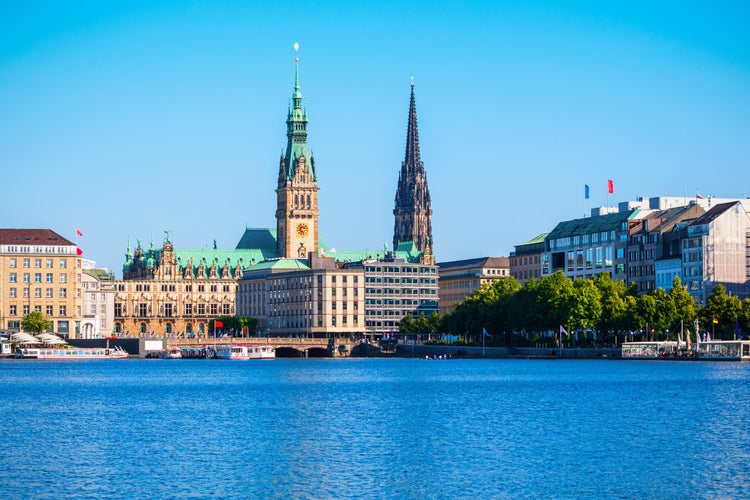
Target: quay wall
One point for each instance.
(420, 351)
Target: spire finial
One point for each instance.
(412, 81)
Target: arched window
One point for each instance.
(118, 328)
(308, 201)
(189, 328)
(168, 327)
(143, 328)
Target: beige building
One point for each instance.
(40, 271)
(295, 297)
(460, 278)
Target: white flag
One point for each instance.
(563, 331)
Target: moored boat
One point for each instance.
(71, 353)
(240, 351)
(170, 353)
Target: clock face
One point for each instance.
(303, 229)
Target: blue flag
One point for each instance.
(586, 191)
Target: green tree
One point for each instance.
(585, 305)
(645, 313)
(554, 296)
(613, 318)
(407, 326)
(685, 310)
(726, 309)
(35, 322)
(666, 312)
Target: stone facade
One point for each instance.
(161, 297)
(40, 271)
(97, 320)
(316, 298)
(461, 278)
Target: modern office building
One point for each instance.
(395, 288)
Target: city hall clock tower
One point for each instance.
(297, 191)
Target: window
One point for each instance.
(26, 262)
(37, 277)
(37, 262)
(13, 278)
(63, 278)
(26, 309)
(49, 278)
(63, 293)
(25, 293)
(63, 263)
(63, 310)
(49, 293)
(26, 278)
(12, 293)
(49, 263)
(12, 311)
(48, 310)
(13, 263)
(38, 293)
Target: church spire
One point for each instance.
(412, 158)
(413, 212)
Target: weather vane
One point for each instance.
(296, 48)
(412, 81)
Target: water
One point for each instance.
(382, 428)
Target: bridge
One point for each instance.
(286, 347)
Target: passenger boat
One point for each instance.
(71, 353)
(240, 351)
(724, 350)
(170, 353)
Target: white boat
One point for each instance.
(240, 351)
(170, 353)
(71, 353)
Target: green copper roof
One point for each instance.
(261, 239)
(589, 225)
(534, 241)
(296, 132)
(406, 251)
(278, 264)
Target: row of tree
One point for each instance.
(609, 308)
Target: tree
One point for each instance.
(685, 310)
(666, 312)
(645, 312)
(586, 305)
(726, 309)
(613, 318)
(407, 326)
(35, 322)
(554, 296)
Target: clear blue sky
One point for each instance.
(126, 119)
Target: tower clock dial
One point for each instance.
(303, 229)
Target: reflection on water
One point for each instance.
(396, 428)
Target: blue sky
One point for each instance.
(126, 119)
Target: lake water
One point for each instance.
(382, 428)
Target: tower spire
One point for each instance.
(296, 131)
(413, 212)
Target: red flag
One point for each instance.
(79, 251)
(78, 232)
(715, 320)
(219, 324)
(610, 186)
